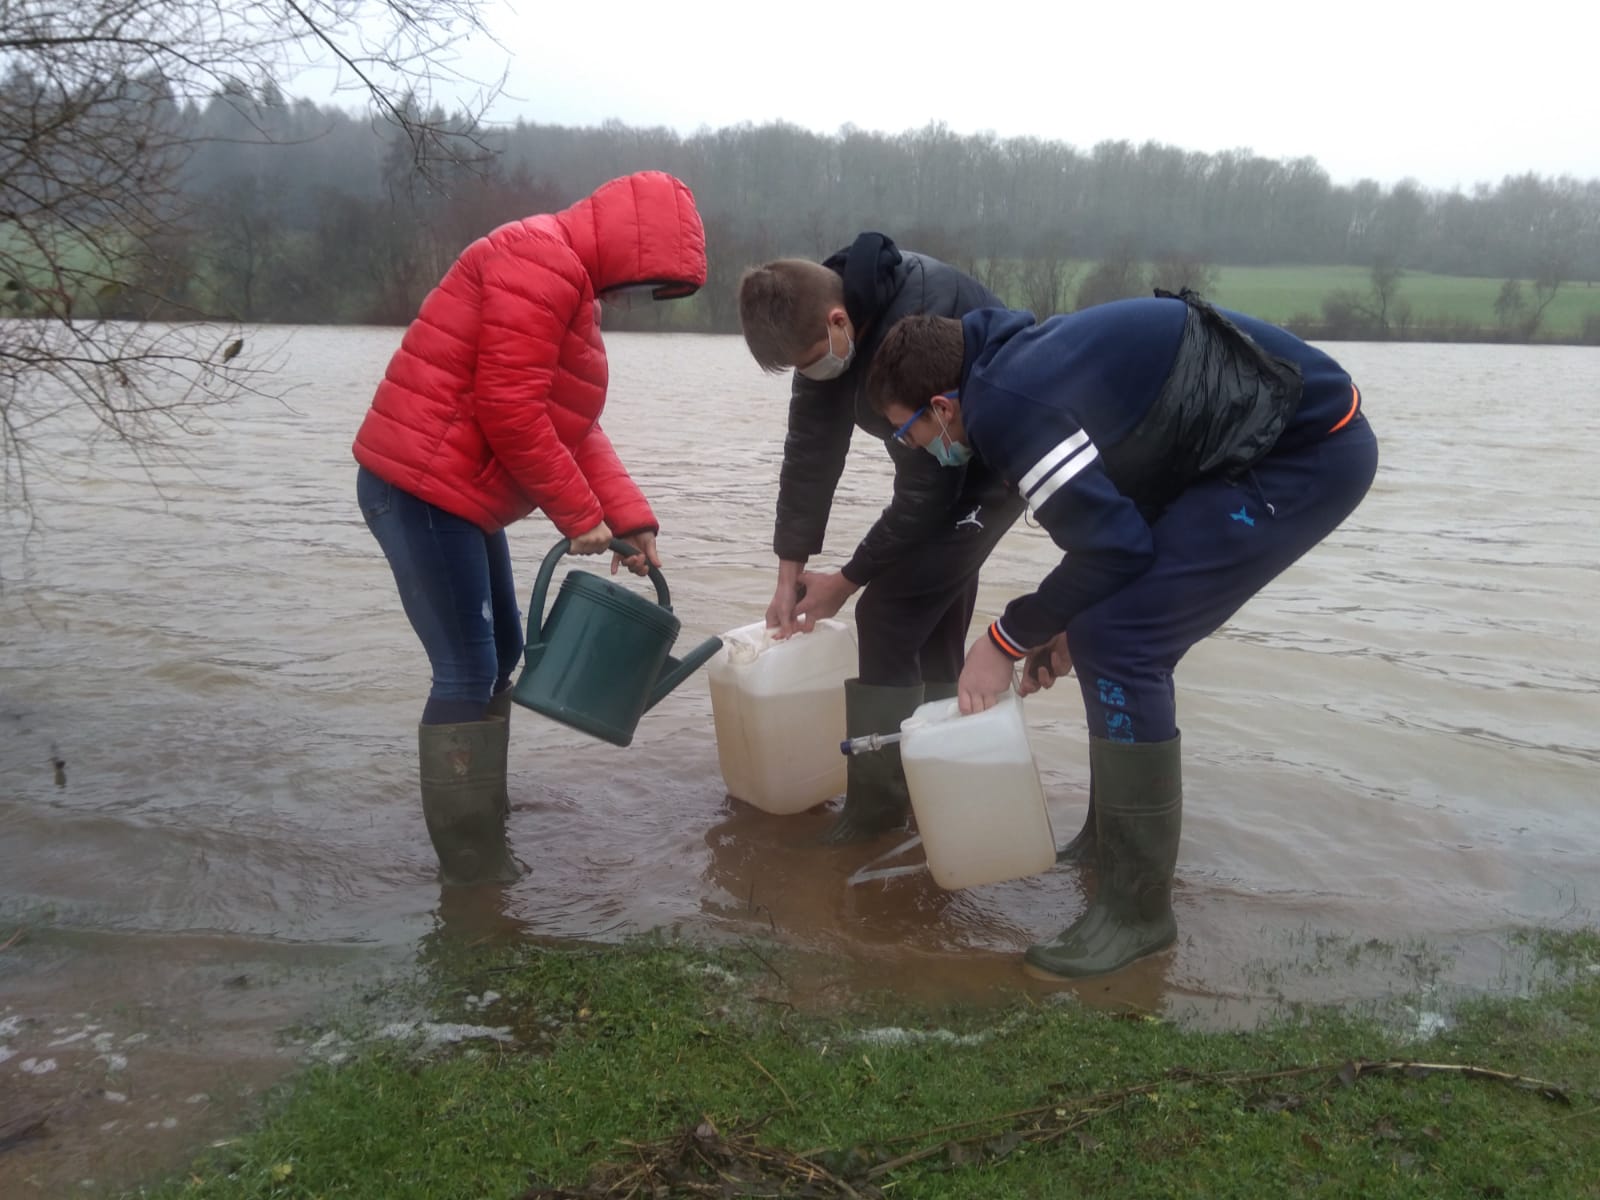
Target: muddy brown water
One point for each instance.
(1391, 754)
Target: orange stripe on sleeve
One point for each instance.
(1005, 644)
(1355, 407)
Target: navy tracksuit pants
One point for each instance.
(1216, 545)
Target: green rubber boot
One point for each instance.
(1080, 851)
(938, 691)
(1138, 820)
(875, 797)
(463, 780)
(500, 706)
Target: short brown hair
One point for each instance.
(783, 306)
(921, 356)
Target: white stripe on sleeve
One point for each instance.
(1049, 487)
(1051, 460)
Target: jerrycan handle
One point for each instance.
(547, 570)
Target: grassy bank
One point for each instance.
(615, 1071)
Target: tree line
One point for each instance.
(287, 210)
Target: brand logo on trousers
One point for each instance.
(1242, 515)
(971, 519)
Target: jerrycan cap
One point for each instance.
(748, 642)
(745, 644)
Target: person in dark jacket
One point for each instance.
(917, 567)
(1181, 456)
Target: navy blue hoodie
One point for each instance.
(1065, 410)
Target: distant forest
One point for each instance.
(288, 211)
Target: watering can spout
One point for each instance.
(674, 671)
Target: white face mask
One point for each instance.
(830, 365)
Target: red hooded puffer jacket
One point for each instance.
(490, 407)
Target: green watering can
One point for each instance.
(600, 661)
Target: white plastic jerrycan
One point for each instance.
(976, 794)
(779, 713)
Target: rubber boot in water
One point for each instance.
(876, 799)
(1079, 852)
(463, 780)
(1138, 819)
(500, 706)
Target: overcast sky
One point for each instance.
(1448, 94)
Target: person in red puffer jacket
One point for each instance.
(489, 410)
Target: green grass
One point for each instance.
(1435, 302)
(621, 1053)
(1281, 293)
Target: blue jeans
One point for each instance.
(1217, 545)
(455, 584)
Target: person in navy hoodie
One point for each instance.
(1181, 456)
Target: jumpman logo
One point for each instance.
(971, 519)
(1243, 515)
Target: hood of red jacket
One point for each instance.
(641, 229)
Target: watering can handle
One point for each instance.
(547, 570)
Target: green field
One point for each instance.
(1281, 293)
(1424, 305)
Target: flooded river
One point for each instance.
(1391, 754)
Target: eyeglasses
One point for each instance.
(903, 434)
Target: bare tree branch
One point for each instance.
(91, 151)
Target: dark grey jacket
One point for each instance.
(882, 284)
